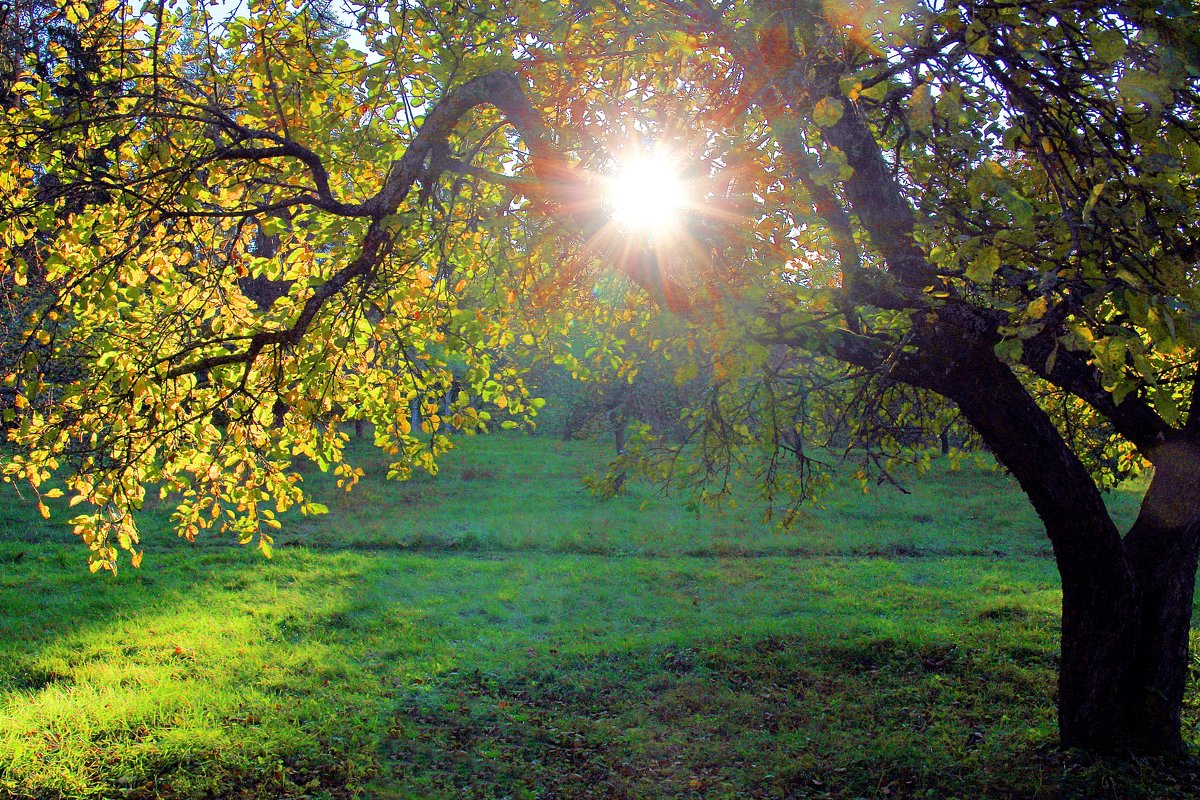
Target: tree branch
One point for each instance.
(1132, 418)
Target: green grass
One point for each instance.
(498, 632)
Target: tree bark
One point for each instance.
(1162, 548)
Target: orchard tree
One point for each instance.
(991, 205)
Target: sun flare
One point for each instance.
(647, 195)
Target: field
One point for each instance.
(497, 632)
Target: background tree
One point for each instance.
(994, 204)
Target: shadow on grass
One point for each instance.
(771, 717)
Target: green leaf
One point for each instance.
(984, 266)
(1138, 87)
(1092, 198)
(1109, 45)
(1021, 209)
(827, 112)
(1010, 350)
(686, 373)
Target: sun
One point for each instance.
(647, 195)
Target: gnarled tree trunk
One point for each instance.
(1127, 602)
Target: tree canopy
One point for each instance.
(226, 231)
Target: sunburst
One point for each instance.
(647, 195)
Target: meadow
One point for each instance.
(498, 632)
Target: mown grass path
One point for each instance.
(496, 632)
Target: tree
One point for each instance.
(991, 203)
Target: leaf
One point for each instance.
(920, 108)
(1009, 350)
(77, 12)
(1021, 209)
(686, 373)
(827, 112)
(984, 267)
(850, 85)
(1109, 45)
(1091, 201)
(979, 45)
(1140, 87)
(1166, 404)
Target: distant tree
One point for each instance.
(991, 203)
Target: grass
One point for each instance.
(497, 632)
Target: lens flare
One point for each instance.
(647, 195)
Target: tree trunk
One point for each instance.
(1108, 602)
(1162, 547)
(1127, 604)
(1099, 632)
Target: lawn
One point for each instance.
(497, 632)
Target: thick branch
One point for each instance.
(878, 200)
(1132, 418)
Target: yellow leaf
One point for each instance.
(920, 108)
(1092, 198)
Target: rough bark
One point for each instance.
(1162, 550)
